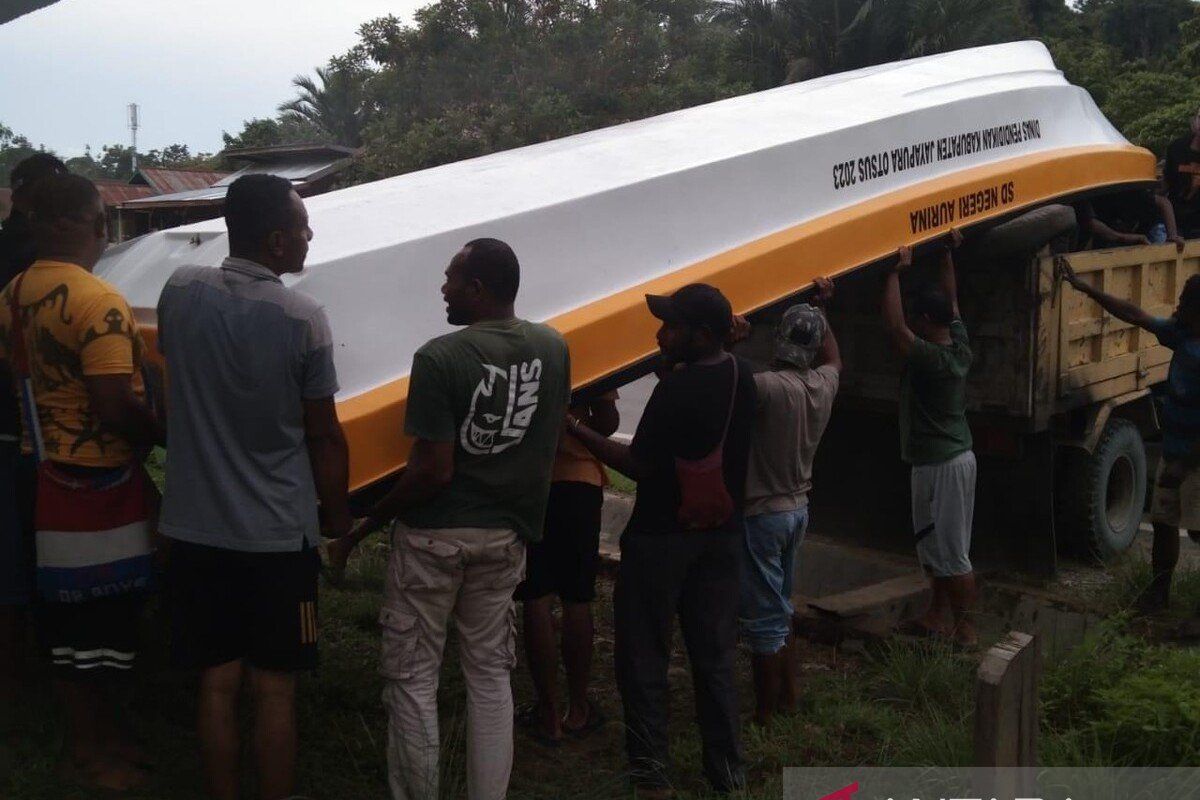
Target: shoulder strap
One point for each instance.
(16, 333)
(20, 363)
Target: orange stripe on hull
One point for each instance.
(617, 331)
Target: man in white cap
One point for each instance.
(795, 399)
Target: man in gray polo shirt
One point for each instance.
(255, 445)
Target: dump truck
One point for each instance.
(1061, 400)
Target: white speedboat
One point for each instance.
(757, 195)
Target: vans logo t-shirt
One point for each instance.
(502, 408)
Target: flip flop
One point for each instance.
(594, 721)
(527, 720)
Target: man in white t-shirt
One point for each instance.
(795, 399)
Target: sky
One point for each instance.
(194, 67)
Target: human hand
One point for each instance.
(1133, 238)
(740, 330)
(571, 422)
(905, 256)
(824, 288)
(1179, 242)
(956, 239)
(1067, 272)
(337, 551)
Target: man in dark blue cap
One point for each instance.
(682, 550)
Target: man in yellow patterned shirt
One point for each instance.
(76, 337)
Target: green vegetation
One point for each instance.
(470, 77)
(620, 483)
(1115, 700)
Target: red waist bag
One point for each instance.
(704, 500)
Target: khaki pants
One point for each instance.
(468, 574)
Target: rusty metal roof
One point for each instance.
(113, 193)
(169, 181)
(301, 174)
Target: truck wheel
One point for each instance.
(1102, 494)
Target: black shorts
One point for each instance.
(227, 605)
(91, 639)
(566, 560)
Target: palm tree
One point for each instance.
(337, 107)
(936, 26)
(763, 37)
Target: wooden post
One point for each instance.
(1006, 713)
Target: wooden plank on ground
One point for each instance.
(866, 599)
(1006, 704)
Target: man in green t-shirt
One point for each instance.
(485, 409)
(936, 441)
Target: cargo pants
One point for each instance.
(435, 575)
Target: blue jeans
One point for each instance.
(772, 542)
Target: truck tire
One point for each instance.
(1102, 494)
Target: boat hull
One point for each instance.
(756, 195)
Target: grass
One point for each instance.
(619, 483)
(857, 709)
(1131, 575)
(1115, 700)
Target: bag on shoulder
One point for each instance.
(704, 499)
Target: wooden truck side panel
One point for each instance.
(1098, 356)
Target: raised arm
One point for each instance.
(829, 354)
(1121, 309)
(1166, 210)
(893, 306)
(947, 278)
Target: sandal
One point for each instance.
(527, 719)
(594, 721)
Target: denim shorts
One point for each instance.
(772, 542)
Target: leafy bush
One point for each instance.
(1118, 701)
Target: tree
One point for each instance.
(337, 107)
(270, 132)
(14, 148)
(1140, 29)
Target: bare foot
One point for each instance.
(965, 635)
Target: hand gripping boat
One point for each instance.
(757, 195)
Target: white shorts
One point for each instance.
(943, 510)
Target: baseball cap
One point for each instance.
(800, 334)
(696, 304)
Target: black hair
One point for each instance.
(56, 199)
(34, 168)
(494, 264)
(255, 207)
(930, 301)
